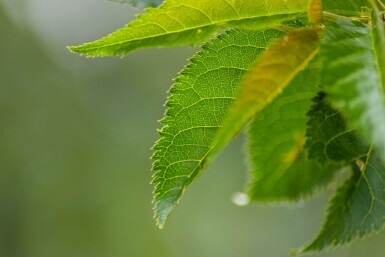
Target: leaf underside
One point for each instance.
(358, 207)
(179, 22)
(197, 106)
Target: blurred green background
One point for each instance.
(75, 138)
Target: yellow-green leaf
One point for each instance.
(269, 76)
(178, 22)
(346, 7)
(315, 12)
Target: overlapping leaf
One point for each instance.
(196, 109)
(315, 12)
(378, 39)
(281, 170)
(178, 22)
(328, 140)
(267, 78)
(346, 7)
(352, 77)
(358, 207)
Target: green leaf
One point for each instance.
(328, 140)
(198, 104)
(140, 3)
(178, 22)
(267, 78)
(277, 136)
(378, 39)
(358, 207)
(346, 7)
(351, 76)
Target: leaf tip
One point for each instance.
(294, 252)
(89, 49)
(72, 49)
(78, 50)
(162, 209)
(311, 247)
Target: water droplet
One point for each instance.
(240, 199)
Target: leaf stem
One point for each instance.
(380, 5)
(354, 18)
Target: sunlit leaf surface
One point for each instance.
(178, 22)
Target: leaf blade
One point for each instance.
(378, 40)
(269, 76)
(199, 101)
(351, 77)
(328, 139)
(358, 207)
(346, 208)
(346, 7)
(281, 171)
(189, 22)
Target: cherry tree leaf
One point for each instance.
(358, 207)
(281, 169)
(198, 104)
(352, 77)
(179, 22)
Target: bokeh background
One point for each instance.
(75, 138)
